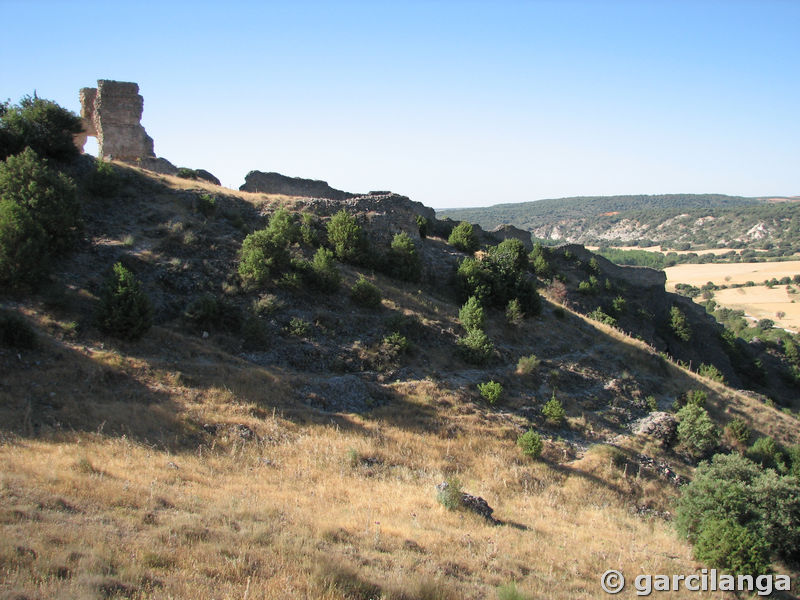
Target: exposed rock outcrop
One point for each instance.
(507, 231)
(112, 113)
(275, 183)
(382, 216)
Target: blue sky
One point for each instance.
(450, 103)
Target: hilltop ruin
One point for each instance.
(112, 112)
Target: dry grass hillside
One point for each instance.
(213, 462)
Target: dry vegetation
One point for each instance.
(729, 273)
(170, 468)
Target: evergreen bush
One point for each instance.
(125, 310)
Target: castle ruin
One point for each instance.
(112, 113)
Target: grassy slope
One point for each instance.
(112, 487)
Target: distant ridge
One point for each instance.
(694, 219)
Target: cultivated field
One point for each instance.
(730, 273)
(759, 302)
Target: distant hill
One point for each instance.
(677, 220)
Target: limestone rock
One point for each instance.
(472, 503)
(206, 176)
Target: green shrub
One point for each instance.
(42, 125)
(186, 173)
(598, 315)
(474, 279)
(554, 411)
(584, 287)
(365, 293)
(490, 391)
(768, 453)
(652, 403)
(324, 272)
(463, 237)
(618, 305)
(711, 372)
(538, 261)
(527, 364)
(206, 311)
(530, 443)
(697, 433)
(422, 224)
(15, 331)
(266, 251)
(696, 397)
(39, 217)
(738, 430)
(103, 180)
(298, 327)
(450, 494)
(733, 488)
(346, 236)
(206, 205)
(397, 343)
(514, 313)
(404, 259)
(476, 347)
(308, 230)
(125, 310)
(680, 326)
(726, 545)
(471, 314)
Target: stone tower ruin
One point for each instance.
(112, 113)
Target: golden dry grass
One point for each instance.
(140, 505)
(729, 273)
(777, 303)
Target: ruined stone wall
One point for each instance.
(275, 183)
(112, 112)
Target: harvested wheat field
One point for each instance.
(730, 273)
(760, 302)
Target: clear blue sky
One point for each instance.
(451, 103)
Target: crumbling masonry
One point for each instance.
(112, 113)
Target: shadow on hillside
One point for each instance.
(53, 392)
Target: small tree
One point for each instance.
(471, 314)
(463, 237)
(125, 310)
(476, 347)
(527, 364)
(679, 324)
(514, 313)
(404, 259)
(553, 410)
(39, 216)
(324, 272)
(365, 293)
(422, 224)
(696, 431)
(345, 235)
(530, 443)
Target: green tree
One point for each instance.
(345, 235)
(696, 431)
(471, 314)
(530, 443)
(365, 293)
(125, 310)
(41, 125)
(463, 237)
(404, 258)
(476, 347)
(39, 216)
(325, 274)
(553, 410)
(679, 324)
